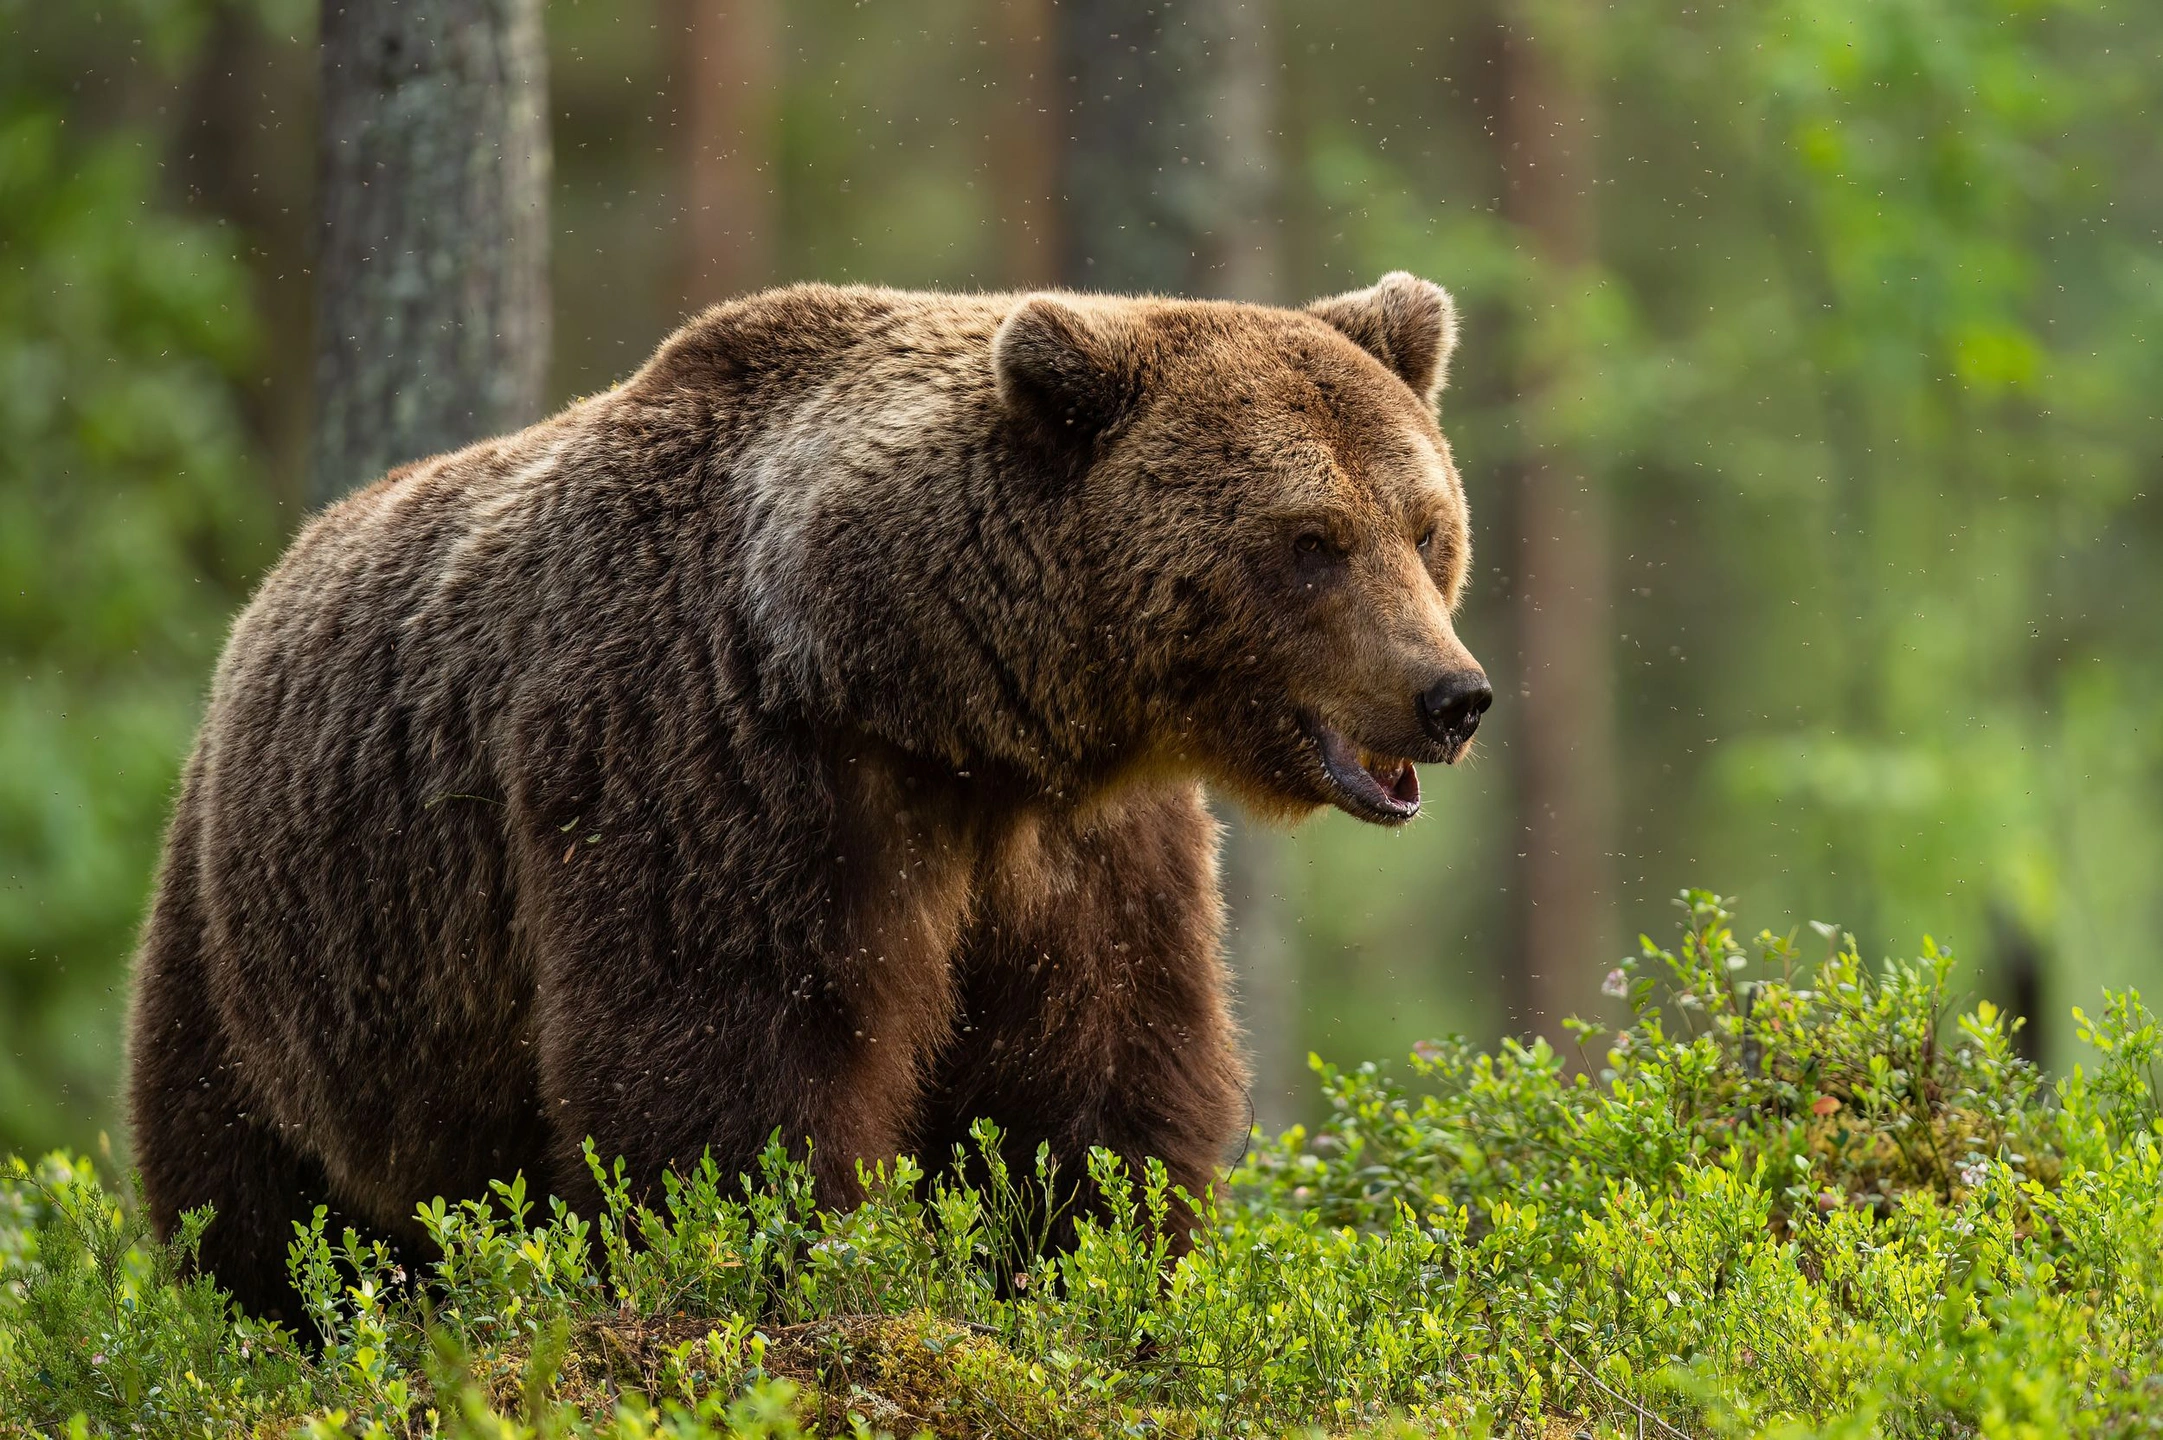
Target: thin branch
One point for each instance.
(1616, 1395)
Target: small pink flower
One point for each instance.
(1616, 984)
(98, 1359)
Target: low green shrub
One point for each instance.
(1791, 1197)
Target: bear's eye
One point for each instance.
(1315, 553)
(1426, 540)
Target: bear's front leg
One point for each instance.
(684, 1008)
(661, 1075)
(1093, 1006)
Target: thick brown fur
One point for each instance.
(806, 734)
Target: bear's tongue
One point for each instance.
(1396, 777)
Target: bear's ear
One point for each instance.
(1067, 373)
(1407, 323)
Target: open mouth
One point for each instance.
(1380, 788)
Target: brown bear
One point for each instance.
(805, 735)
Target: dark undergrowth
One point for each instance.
(1795, 1196)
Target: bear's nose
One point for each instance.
(1452, 706)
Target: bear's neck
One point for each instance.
(913, 567)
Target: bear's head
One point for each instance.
(1276, 526)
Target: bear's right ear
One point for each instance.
(1067, 374)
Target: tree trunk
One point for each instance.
(1024, 157)
(1165, 176)
(1165, 186)
(731, 107)
(432, 285)
(1565, 749)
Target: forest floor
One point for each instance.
(1796, 1195)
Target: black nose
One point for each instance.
(1452, 706)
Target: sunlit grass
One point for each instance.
(1799, 1197)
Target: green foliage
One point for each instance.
(130, 523)
(1800, 1197)
(1863, 369)
(99, 1320)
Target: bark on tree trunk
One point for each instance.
(432, 308)
(1566, 763)
(1024, 161)
(731, 108)
(1165, 186)
(1165, 176)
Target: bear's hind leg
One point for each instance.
(198, 1138)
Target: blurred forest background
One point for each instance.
(1808, 399)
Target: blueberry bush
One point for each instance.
(1796, 1195)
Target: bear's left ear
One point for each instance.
(1407, 323)
(1068, 373)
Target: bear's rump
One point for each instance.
(361, 949)
(388, 1032)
